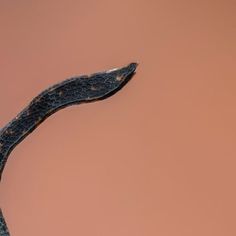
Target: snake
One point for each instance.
(75, 90)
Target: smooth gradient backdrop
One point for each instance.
(158, 158)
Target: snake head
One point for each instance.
(104, 84)
(87, 88)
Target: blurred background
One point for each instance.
(159, 157)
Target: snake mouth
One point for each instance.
(132, 66)
(124, 74)
(119, 77)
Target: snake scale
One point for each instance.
(76, 90)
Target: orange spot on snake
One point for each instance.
(119, 78)
(93, 88)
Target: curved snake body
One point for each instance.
(82, 89)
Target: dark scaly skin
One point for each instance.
(82, 89)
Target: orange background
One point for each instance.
(159, 157)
